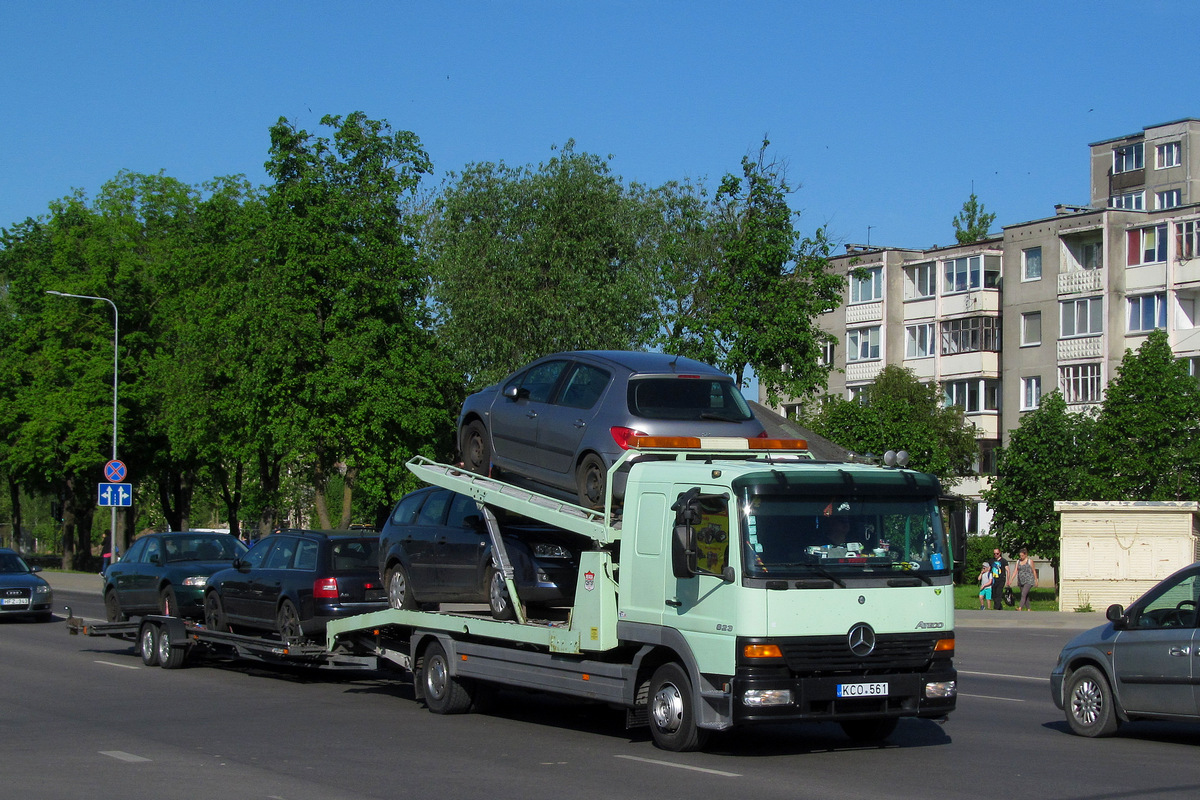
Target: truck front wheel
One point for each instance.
(672, 714)
(444, 694)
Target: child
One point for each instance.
(985, 585)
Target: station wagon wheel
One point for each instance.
(214, 612)
(476, 454)
(499, 602)
(1089, 704)
(112, 607)
(399, 589)
(672, 716)
(168, 606)
(288, 621)
(590, 481)
(444, 694)
(148, 644)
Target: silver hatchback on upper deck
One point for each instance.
(563, 420)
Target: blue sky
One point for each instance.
(887, 113)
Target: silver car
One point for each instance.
(563, 420)
(1142, 664)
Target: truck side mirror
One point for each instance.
(683, 551)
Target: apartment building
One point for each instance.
(1048, 304)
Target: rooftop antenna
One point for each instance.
(869, 236)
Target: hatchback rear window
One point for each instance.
(687, 399)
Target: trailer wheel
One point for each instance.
(168, 606)
(399, 589)
(169, 657)
(499, 602)
(148, 644)
(288, 622)
(112, 607)
(672, 715)
(444, 694)
(869, 731)
(476, 454)
(214, 613)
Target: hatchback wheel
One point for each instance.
(590, 481)
(476, 454)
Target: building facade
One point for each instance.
(1049, 304)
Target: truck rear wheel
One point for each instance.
(672, 714)
(444, 694)
(148, 644)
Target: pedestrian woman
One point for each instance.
(1026, 578)
(985, 584)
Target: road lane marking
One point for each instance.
(682, 766)
(989, 697)
(121, 755)
(115, 664)
(1002, 675)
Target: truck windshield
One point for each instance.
(785, 536)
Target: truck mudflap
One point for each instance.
(844, 697)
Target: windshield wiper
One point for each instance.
(817, 568)
(901, 580)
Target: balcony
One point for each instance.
(863, 371)
(864, 312)
(1080, 348)
(1150, 276)
(969, 302)
(1187, 271)
(979, 363)
(1084, 281)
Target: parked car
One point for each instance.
(435, 549)
(22, 591)
(164, 573)
(294, 581)
(564, 419)
(1141, 664)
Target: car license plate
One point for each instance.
(15, 601)
(862, 690)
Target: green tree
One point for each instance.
(902, 413)
(1147, 442)
(1043, 462)
(972, 223)
(750, 299)
(530, 260)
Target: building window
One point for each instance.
(1129, 201)
(1080, 383)
(868, 288)
(1032, 264)
(1091, 255)
(1031, 393)
(1166, 155)
(1168, 199)
(860, 394)
(919, 281)
(1031, 328)
(828, 350)
(1082, 317)
(1193, 364)
(862, 344)
(973, 396)
(1128, 158)
(1147, 312)
(1147, 245)
(971, 335)
(1187, 239)
(918, 340)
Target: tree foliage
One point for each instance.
(902, 413)
(972, 223)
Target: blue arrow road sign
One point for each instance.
(116, 494)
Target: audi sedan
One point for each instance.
(164, 573)
(563, 420)
(1141, 664)
(23, 592)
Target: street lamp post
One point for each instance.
(112, 547)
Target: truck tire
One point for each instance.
(1089, 704)
(148, 644)
(869, 731)
(169, 657)
(501, 605)
(590, 480)
(444, 694)
(672, 715)
(112, 607)
(399, 589)
(214, 613)
(287, 622)
(476, 452)
(168, 606)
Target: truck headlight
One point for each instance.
(941, 689)
(759, 698)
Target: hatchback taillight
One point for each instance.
(622, 435)
(762, 435)
(326, 588)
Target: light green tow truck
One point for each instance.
(741, 583)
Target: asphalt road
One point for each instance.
(82, 717)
